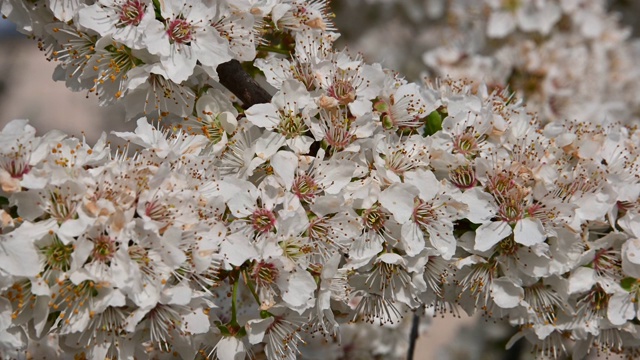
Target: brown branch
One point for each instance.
(241, 84)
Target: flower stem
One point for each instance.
(250, 286)
(234, 298)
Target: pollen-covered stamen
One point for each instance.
(322, 237)
(180, 31)
(387, 279)
(509, 247)
(264, 275)
(399, 162)
(343, 91)
(263, 220)
(403, 113)
(304, 72)
(291, 124)
(22, 301)
(76, 52)
(166, 94)
(501, 184)
(592, 306)
(73, 301)
(374, 219)
(61, 207)
(212, 129)
(57, 255)
(543, 301)
(468, 143)
(477, 283)
(282, 338)
(162, 320)
(295, 248)
(104, 249)
(305, 188)
(608, 264)
(423, 213)
(140, 256)
(111, 66)
(131, 13)
(16, 164)
(374, 307)
(463, 177)
(553, 346)
(157, 211)
(511, 211)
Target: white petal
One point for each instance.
(257, 328)
(263, 115)
(18, 254)
(631, 257)
(582, 280)
(620, 309)
(196, 322)
(399, 200)
(412, 238)
(505, 293)
(425, 181)
(529, 231)
(284, 165)
(490, 234)
(237, 249)
(298, 291)
(230, 348)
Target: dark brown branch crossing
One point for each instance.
(241, 84)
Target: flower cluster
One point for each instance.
(352, 198)
(569, 59)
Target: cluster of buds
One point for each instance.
(322, 217)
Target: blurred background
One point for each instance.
(385, 31)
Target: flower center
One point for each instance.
(374, 219)
(263, 220)
(104, 249)
(423, 214)
(463, 177)
(264, 274)
(58, 255)
(342, 91)
(305, 188)
(291, 125)
(131, 13)
(180, 31)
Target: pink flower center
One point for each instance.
(305, 188)
(17, 168)
(180, 31)
(263, 220)
(131, 13)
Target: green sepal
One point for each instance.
(627, 283)
(432, 123)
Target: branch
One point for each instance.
(241, 84)
(413, 336)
